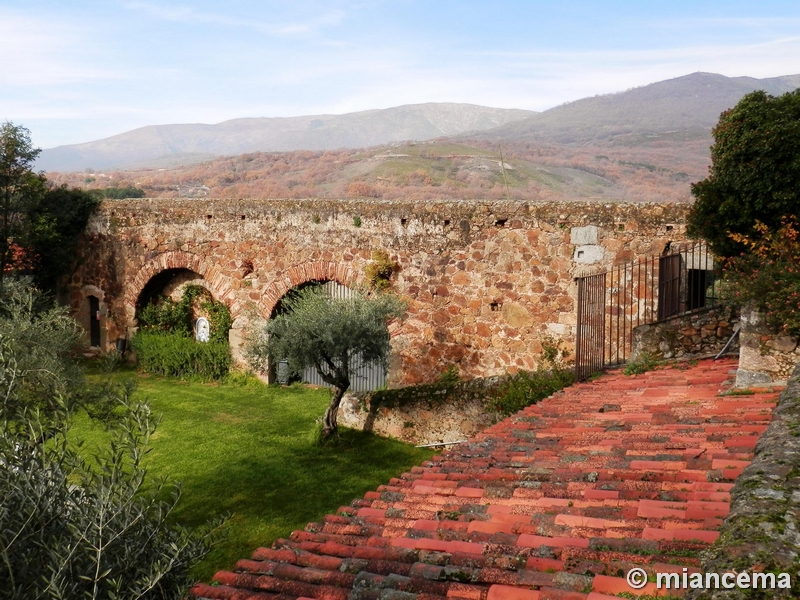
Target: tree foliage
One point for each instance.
(326, 333)
(19, 188)
(54, 223)
(75, 524)
(755, 171)
(767, 275)
(39, 225)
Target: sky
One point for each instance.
(83, 70)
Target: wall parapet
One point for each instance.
(422, 414)
(762, 530)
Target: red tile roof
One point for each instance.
(557, 502)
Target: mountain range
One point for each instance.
(172, 145)
(674, 111)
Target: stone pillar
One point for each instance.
(765, 357)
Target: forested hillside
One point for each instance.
(431, 170)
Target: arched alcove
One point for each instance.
(366, 376)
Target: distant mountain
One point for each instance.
(171, 145)
(676, 109)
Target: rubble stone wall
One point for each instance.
(699, 333)
(422, 414)
(485, 281)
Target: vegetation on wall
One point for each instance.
(524, 388)
(379, 271)
(165, 343)
(165, 315)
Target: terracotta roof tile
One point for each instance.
(548, 504)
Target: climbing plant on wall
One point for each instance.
(165, 344)
(379, 271)
(168, 316)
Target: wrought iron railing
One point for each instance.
(613, 303)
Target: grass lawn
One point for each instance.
(246, 450)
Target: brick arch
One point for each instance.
(219, 283)
(303, 273)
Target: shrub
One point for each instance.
(644, 363)
(167, 316)
(379, 271)
(77, 527)
(524, 388)
(174, 355)
(75, 524)
(767, 275)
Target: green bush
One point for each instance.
(515, 392)
(174, 355)
(167, 316)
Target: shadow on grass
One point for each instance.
(247, 451)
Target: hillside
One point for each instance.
(646, 144)
(429, 170)
(170, 145)
(674, 110)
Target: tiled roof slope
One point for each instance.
(557, 502)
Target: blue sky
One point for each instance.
(86, 69)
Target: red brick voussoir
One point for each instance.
(557, 502)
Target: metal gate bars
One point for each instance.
(613, 303)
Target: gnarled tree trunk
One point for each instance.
(330, 427)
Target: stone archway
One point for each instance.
(305, 273)
(219, 284)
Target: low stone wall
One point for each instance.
(765, 358)
(422, 414)
(699, 333)
(762, 530)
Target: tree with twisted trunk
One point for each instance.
(327, 333)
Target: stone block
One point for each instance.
(588, 255)
(582, 236)
(783, 344)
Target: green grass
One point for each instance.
(246, 450)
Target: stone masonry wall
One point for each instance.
(423, 414)
(485, 280)
(699, 333)
(765, 357)
(762, 530)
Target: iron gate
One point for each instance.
(613, 303)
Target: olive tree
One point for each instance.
(326, 333)
(78, 523)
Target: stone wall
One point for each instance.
(699, 333)
(485, 281)
(762, 530)
(422, 414)
(765, 357)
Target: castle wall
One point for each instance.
(485, 281)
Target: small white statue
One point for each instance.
(202, 330)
